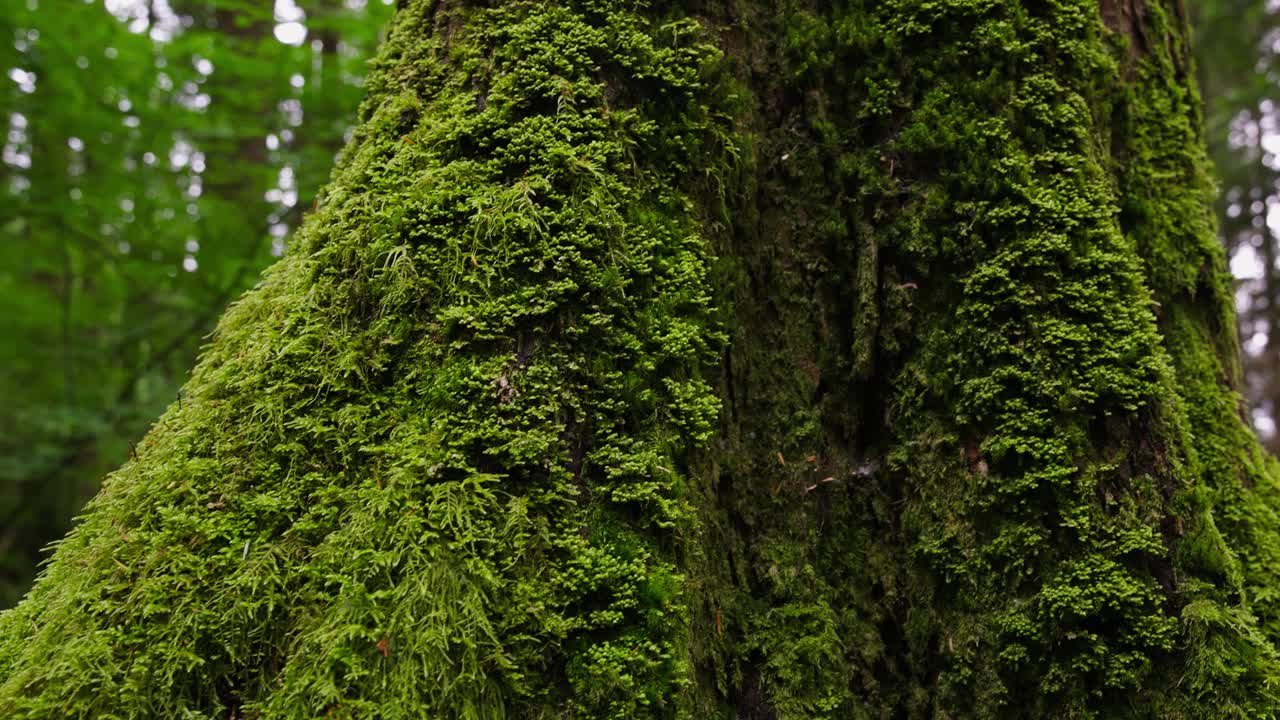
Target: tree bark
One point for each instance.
(732, 360)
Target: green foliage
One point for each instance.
(134, 177)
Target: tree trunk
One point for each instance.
(725, 360)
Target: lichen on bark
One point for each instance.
(715, 359)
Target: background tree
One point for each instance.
(152, 168)
(756, 360)
(1236, 44)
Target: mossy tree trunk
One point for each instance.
(708, 359)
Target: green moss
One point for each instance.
(1019, 420)
(436, 463)
(854, 360)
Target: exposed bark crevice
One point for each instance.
(1129, 19)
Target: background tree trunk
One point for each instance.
(747, 360)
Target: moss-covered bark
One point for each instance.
(715, 359)
(1002, 325)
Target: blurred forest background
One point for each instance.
(158, 153)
